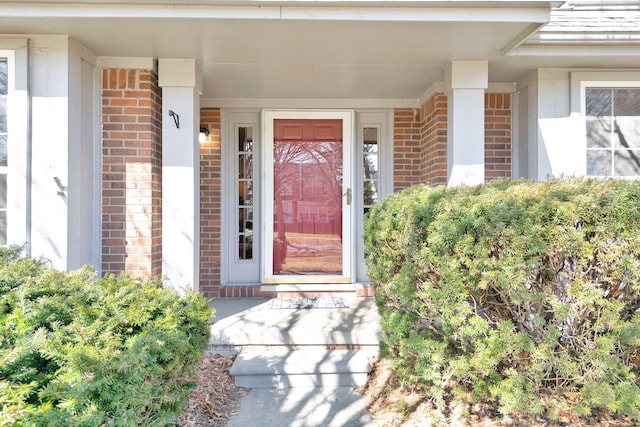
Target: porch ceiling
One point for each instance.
(251, 58)
(255, 51)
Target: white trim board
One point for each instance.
(381, 11)
(279, 103)
(142, 63)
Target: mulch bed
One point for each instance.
(216, 398)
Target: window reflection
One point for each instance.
(307, 167)
(245, 193)
(4, 139)
(370, 167)
(613, 131)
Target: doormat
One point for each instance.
(307, 303)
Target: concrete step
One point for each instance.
(232, 350)
(244, 322)
(305, 367)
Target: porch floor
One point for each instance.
(251, 322)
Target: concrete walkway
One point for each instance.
(250, 323)
(301, 407)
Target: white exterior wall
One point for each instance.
(525, 145)
(49, 68)
(84, 160)
(560, 137)
(61, 154)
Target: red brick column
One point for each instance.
(210, 203)
(131, 173)
(497, 136)
(406, 148)
(433, 163)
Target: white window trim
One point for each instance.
(18, 207)
(383, 120)
(250, 269)
(582, 80)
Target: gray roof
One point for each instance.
(590, 23)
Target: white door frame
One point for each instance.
(348, 248)
(233, 269)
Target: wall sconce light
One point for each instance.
(176, 118)
(204, 133)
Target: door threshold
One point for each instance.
(318, 289)
(309, 287)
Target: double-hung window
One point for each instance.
(4, 137)
(608, 105)
(612, 117)
(14, 140)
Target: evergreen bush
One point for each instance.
(513, 292)
(81, 351)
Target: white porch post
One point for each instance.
(465, 82)
(181, 83)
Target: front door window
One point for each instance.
(307, 189)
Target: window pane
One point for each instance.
(4, 80)
(244, 232)
(370, 166)
(627, 132)
(627, 102)
(3, 150)
(599, 132)
(3, 114)
(246, 220)
(3, 228)
(598, 102)
(4, 77)
(627, 162)
(3, 191)
(245, 247)
(371, 147)
(307, 204)
(599, 162)
(242, 166)
(245, 189)
(370, 193)
(245, 139)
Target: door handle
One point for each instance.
(348, 194)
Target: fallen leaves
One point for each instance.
(392, 405)
(216, 397)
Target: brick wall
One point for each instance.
(433, 163)
(497, 136)
(420, 141)
(210, 203)
(131, 173)
(406, 148)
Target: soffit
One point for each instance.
(323, 3)
(360, 52)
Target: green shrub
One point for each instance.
(513, 291)
(80, 351)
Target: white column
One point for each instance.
(181, 83)
(465, 82)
